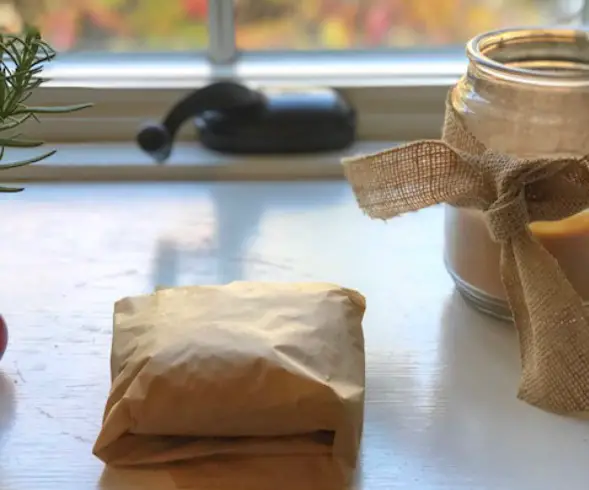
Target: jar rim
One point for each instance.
(538, 55)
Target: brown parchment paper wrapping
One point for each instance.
(550, 317)
(246, 369)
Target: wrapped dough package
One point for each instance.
(247, 369)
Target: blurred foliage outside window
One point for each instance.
(176, 25)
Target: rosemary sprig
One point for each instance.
(22, 58)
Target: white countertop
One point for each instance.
(441, 379)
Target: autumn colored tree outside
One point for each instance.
(158, 25)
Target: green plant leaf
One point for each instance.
(52, 110)
(11, 190)
(23, 163)
(22, 59)
(15, 143)
(13, 122)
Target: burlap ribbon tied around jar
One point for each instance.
(552, 323)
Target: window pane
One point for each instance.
(345, 24)
(112, 25)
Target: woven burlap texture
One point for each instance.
(552, 324)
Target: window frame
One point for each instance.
(398, 94)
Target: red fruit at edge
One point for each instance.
(3, 336)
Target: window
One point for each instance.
(394, 59)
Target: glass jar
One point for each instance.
(525, 94)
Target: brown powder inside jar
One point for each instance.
(474, 257)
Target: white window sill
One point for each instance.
(189, 162)
(397, 95)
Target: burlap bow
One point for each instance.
(459, 170)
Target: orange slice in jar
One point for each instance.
(575, 225)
